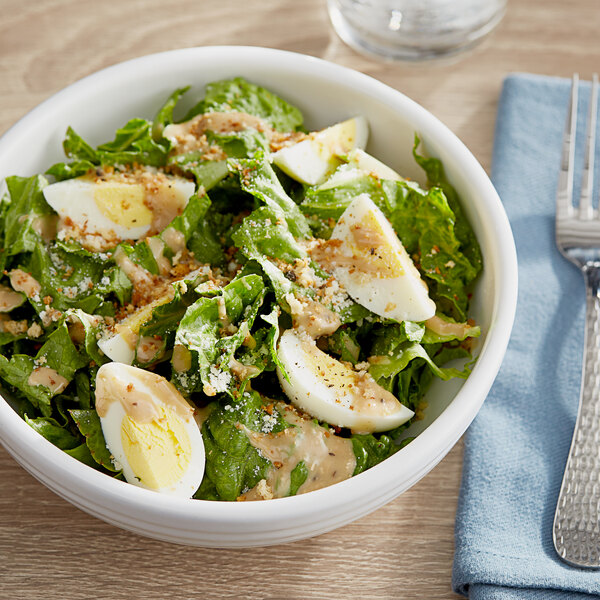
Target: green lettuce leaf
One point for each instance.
(370, 450)
(209, 239)
(240, 144)
(192, 216)
(58, 352)
(82, 454)
(242, 96)
(436, 177)
(78, 149)
(298, 476)
(203, 332)
(133, 143)
(233, 465)
(207, 173)
(27, 203)
(54, 432)
(431, 337)
(257, 177)
(92, 331)
(164, 116)
(78, 168)
(88, 423)
(75, 279)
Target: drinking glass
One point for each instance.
(414, 29)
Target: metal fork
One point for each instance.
(576, 531)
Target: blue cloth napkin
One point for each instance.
(516, 448)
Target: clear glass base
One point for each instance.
(414, 30)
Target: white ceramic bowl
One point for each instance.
(326, 93)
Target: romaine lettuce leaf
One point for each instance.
(239, 144)
(164, 116)
(407, 352)
(88, 423)
(203, 331)
(298, 476)
(82, 454)
(209, 239)
(191, 217)
(91, 334)
(468, 331)
(257, 177)
(242, 96)
(397, 345)
(133, 143)
(27, 204)
(58, 352)
(74, 279)
(370, 450)
(207, 173)
(436, 176)
(233, 465)
(262, 235)
(58, 434)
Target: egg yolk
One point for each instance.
(123, 204)
(158, 452)
(373, 247)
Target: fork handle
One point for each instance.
(577, 518)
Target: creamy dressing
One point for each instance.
(148, 349)
(48, 378)
(136, 274)
(24, 282)
(312, 317)
(157, 247)
(76, 331)
(328, 458)
(191, 135)
(9, 299)
(166, 203)
(441, 327)
(45, 226)
(174, 239)
(141, 403)
(222, 308)
(242, 371)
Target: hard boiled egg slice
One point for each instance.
(371, 263)
(120, 344)
(118, 207)
(314, 158)
(333, 392)
(369, 164)
(150, 430)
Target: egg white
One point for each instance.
(311, 160)
(369, 164)
(326, 388)
(112, 427)
(75, 199)
(392, 286)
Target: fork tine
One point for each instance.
(564, 196)
(587, 186)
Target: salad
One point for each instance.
(223, 305)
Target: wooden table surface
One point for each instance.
(49, 549)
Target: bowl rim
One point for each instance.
(409, 464)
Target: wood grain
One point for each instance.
(48, 549)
